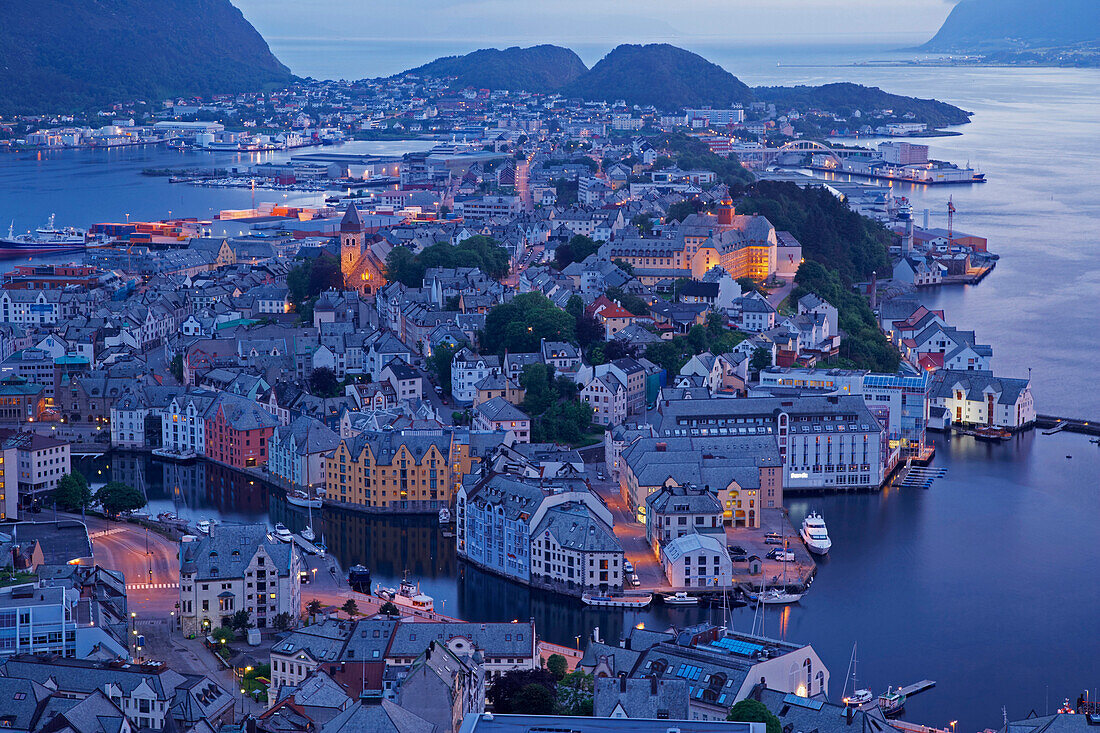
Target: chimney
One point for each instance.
(848, 714)
(662, 447)
(653, 686)
(622, 683)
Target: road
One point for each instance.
(148, 560)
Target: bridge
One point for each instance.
(767, 156)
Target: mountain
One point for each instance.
(664, 76)
(842, 98)
(540, 69)
(58, 55)
(977, 25)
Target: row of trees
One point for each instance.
(73, 494)
(484, 253)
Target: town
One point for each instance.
(597, 349)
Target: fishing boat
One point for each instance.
(407, 595)
(891, 702)
(302, 499)
(680, 598)
(47, 240)
(815, 534)
(282, 533)
(617, 601)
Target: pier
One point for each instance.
(913, 689)
(1052, 424)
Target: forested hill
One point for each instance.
(664, 76)
(67, 55)
(980, 25)
(843, 98)
(540, 69)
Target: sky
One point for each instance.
(504, 22)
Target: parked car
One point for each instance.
(773, 538)
(628, 566)
(782, 555)
(634, 580)
(737, 553)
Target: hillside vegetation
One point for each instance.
(540, 69)
(67, 55)
(980, 25)
(844, 98)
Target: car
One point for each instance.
(773, 538)
(737, 553)
(628, 566)
(634, 581)
(782, 555)
(438, 389)
(600, 475)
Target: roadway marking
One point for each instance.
(151, 586)
(106, 532)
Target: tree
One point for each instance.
(388, 609)
(176, 367)
(504, 690)
(72, 492)
(224, 633)
(681, 209)
(440, 364)
(577, 249)
(534, 699)
(557, 666)
(314, 276)
(643, 222)
(631, 302)
(241, 621)
(520, 325)
(350, 607)
(313, 608)
(761, 359)
(403, 267)
(587, 328)
(116, 497)
(323, 382)
(283, 621)
(624, 266)
(754, 711)
(575, 693)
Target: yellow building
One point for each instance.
(415, 469)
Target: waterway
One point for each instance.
(985, 583)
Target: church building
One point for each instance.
(362, 263)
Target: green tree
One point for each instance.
(557, 666)
(224, 633)
(440, 364)
(631, 302)
(116, 497)
(313, 608)
(350, 607)
(313, 276)
(402, 266)
(72, 492)
(176, 367)
(504, 692)
(644, 222)
(536, 380)
(388, 609)
(534, 699)
(577, 249)
(241, 621)
(323, 382)
(575, 693)
(682, 209)
(761, 359)
(283, 621)
(587, 328)
(624, 266)
(754, 711)
(520, 325)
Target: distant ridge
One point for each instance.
(981, 25)
(67, 55)
(661, 75)
(540, 69)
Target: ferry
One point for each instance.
(891, 702)
(407, 595)
(815, 534)
(617, 601)
(48, 240)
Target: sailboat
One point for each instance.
(308, 534)
(858, 697)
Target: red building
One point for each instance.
(238, 431)
(44, 277)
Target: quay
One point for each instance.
(913, 689)
(1051, 424)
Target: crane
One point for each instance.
(950, 221)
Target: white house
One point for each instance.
(697, 561)
(467, 369)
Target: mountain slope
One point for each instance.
(843, 97)
(984, 24)
(664, 76)
(539, 69)
(58, 55)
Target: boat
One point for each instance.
(302, 499)
(858, 697)
(282, 533)
(407, 595)
(815, 534)
(617, 601)
(171, 454)
(204, 526)
(308, 534)
(680, 598)
(891, 702)
(359, 579)
(444, 515)
(48, 240)
(775, 596)
(991, 433)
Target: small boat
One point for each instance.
(891, 702)
(359, 579)
(860, 697)
(301, 498)
(204, 526)
(775, 596)
(680, 598)
(282, 533)
(815, 534)
(444, 515)
(308, 534)
(407, 595)
(617, 601)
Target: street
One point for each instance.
(148, 560)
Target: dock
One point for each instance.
(306, 546)
(917, 477)
(1055, 424)
(913, 689)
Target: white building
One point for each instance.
(467, 369)
(607, 396)
(697, 561)
(238, 568)
(183, 425)
(574, 546)
(981, 399)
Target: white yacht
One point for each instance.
(282, 533)
(815, 535)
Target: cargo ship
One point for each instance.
(48, 240)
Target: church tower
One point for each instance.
(351, 243)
